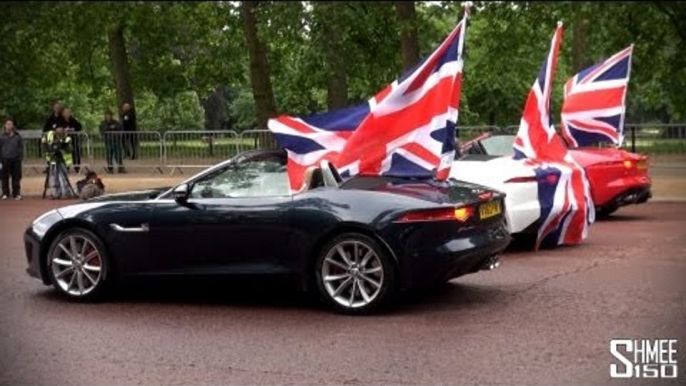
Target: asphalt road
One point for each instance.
(541, 318)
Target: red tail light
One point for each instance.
(456, 214)
(521, 180)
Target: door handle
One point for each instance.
(119, 228)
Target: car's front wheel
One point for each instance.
(354, 274)
(78, 264)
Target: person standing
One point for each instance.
(113, 141)
(55, 119)
(59, 157)
(129, 124)
(52, 122)
(12, 154)
(73, 127)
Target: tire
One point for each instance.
(370, 277)
(604, 213)
(66, 262)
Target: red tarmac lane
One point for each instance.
(541, 318)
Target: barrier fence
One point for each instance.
(179, 150)
(121, 151)
(198, 149)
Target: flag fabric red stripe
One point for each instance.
(408, 129)
(565, 201)
(599, 99)
(596, 98)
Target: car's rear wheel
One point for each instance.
(605, 212)
(78, 264)
(354, 274)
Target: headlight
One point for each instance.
(43, 223)
(43, 216)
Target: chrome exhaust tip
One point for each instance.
(493, 263)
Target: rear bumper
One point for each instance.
(433, 261)
(634, 195)
(610, 192)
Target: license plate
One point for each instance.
(489, 209)
(641, 165)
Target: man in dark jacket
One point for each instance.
(55, 118)
(53, 121)
(129, 124)
(12, 154)
(109, 129)
(73, 127)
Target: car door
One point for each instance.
(235, 220)
(240, 234)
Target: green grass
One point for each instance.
(658, 146)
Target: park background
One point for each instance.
(204, 77)
(232, 65)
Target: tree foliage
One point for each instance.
(190, 62)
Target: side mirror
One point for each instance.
(181, 193)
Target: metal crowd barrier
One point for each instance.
(35, 155)
(198, 149)
(655, 138)
(257, 139)
(117, 151)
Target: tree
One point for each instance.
(330, 25)
(120, 66)
(408, 36)
(265, 107)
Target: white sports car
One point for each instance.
(474, 163)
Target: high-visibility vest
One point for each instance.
(67, 155)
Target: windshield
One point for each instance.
(500, 145)
(246, 179)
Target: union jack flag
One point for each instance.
(563, 190)
(593, 110)
(407, 129)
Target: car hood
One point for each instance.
(138, 195)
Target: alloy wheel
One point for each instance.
(352, 274)
(76, 265)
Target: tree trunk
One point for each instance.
(120, 67)
(265, 107)
(215, 109)
(579, 45)
(409, 38)
(337, 82)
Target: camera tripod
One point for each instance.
(60, 168)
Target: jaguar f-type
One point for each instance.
(356, 242)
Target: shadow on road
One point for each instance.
(622, 218)
(276, 293)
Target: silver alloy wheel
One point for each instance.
(76, 265)
(352, 274)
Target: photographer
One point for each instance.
(58, 147)
(73, 127)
